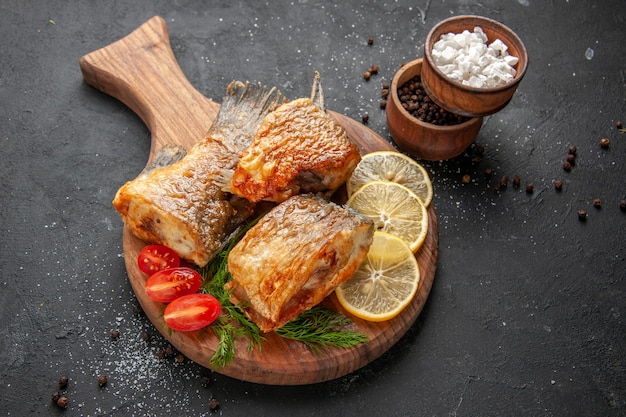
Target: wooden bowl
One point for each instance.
(421, 139)
(461, 99)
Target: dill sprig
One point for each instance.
(318, 328)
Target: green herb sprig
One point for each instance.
(320, 328)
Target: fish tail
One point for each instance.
(245, 105)
(317, 94)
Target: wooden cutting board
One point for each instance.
(141, 71)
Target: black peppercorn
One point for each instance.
(466, 179)
(504, 181)
(115, 334)
(488, 171)
(365, 118)
(619, 125)
(214, 405)
(516, 180)
(530, 187)
(572, 150)
(597, 203)
(558, 185)
(63, 381)
(55, 396)
(102, 380)
(604, 143)
(205, 381)
(370, 41)
(582, 215)
(383, 104)
(571, 158)
(62, 402)
(367, 75)
(146, 337)
(374, 69)
(622, 204)
(414, 99)
(567, 166)
(160, 353)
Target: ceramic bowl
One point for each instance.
(422, 139)
(461, 99)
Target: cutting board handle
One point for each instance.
(141, 71)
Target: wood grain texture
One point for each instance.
(140, 70)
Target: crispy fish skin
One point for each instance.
(294, 257)
(298, 149)
(181, 205)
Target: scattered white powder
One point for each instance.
(466, 57)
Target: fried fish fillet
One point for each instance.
(294, 257)
(181, 205)
(297, 149)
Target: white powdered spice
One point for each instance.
(467, 58)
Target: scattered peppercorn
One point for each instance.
(370, 41)
(55, 396)
(102, 380)
(618, 124)
(214, 405)
(384, 92)
(572, 150)
(622, 204)
(597, 203)
(466, 179)
(504, 181)
(604, 143)
(567, 166)
(374, 69)
(488, 171)
(205, 381)
(571, 158)
(516, 180)
(180, 358)
(383, 104)
(146, 337)
(62, 402)
(582, 215)
(558, 185)
(367, 75)
(115, 334)
(63, 381)
(530, 188)
(160, 353)
(365, 118)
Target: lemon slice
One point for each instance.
(394, 167)
(384, 284)
(394, 209)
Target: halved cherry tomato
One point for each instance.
(169, 284)
(154, 258)
(192, 312)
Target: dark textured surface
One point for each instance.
(526, 315)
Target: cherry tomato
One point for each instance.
(154, 258)
(169, 284)
(192, 312)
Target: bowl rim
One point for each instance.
(428, 46)
(396, 99)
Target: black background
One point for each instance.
(526, 315)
